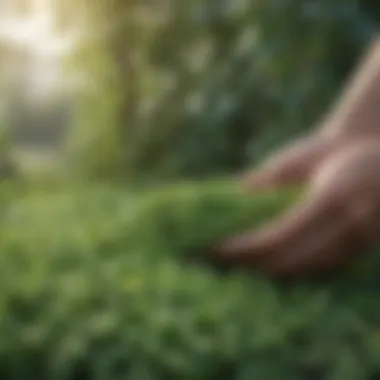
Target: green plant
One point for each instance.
(93, 286)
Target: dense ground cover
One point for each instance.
(94, 286)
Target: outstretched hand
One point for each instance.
(340, 214)
(338, 218)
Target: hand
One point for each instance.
(292, 164)
(338, 218)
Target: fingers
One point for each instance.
(308, 238)
(291, 165)
(297, 223)
(349, 233)
(324, 248)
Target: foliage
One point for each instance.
(93, 286)
(7, 166)
(199, 87)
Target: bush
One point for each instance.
(93, 287)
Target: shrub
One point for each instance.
(93, 287)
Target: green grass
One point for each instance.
(94, 286)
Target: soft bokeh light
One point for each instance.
(33, 33)
(32, 78)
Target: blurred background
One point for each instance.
(162, 89)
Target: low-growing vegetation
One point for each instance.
(96, 284)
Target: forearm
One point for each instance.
(357, 110)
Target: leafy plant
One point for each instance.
(94, 286)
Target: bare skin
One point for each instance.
(340, 163)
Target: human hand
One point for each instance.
(338, 218)
(291, 165)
